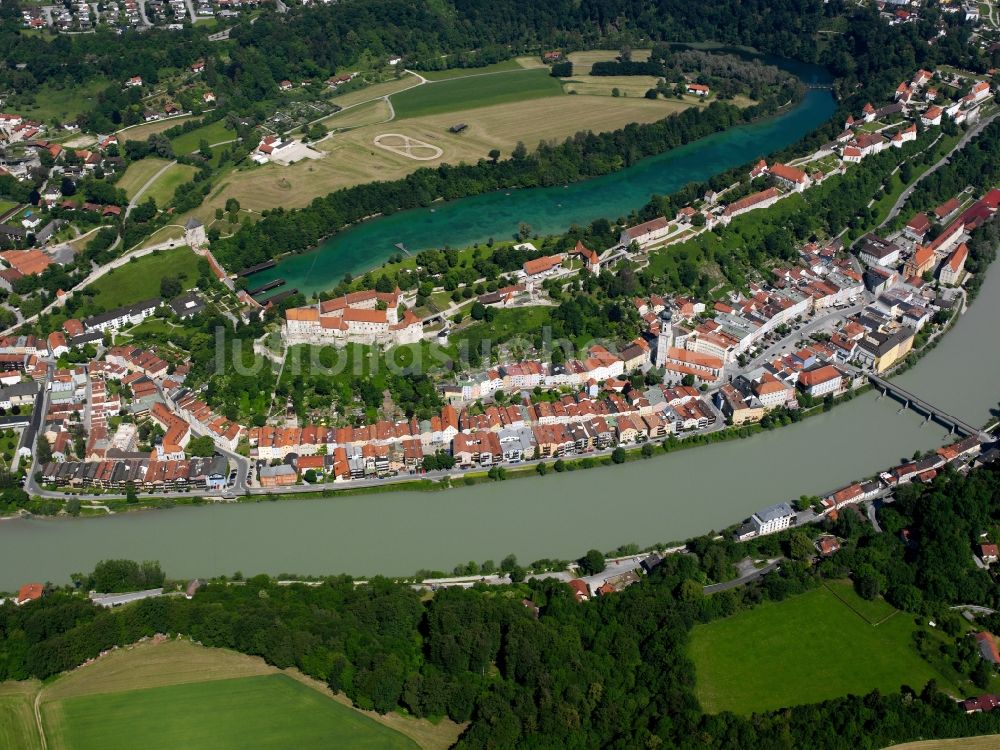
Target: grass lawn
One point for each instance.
(49, 100)
(139, 172)
(475, 91)
(162, 191)
(140, 280)
(214, 132)
(810, 648)
(146, 129)
(6, 206)
(168, 232)
(17, 720)
(266, 711)
(517, 321)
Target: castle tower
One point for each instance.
(666, 338)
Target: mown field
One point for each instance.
(134, 282)
(457, 94)
(375, 90)
(810, 648)
(17, 718)
(266, 711)
(214, 132)
(368, 113)
(146, 129)
(354, 159)
(179, 695)
(162, 191)
(583, 60)
(138, 173)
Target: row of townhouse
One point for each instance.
(925, 469)
(134, 359)
(143, 474)
(204, 420)
(598, 365)
(579, 422)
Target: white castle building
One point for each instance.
(366, 317)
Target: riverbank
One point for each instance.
(677, 495)
(477, 219)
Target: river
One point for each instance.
(464, 222)
(663, 499)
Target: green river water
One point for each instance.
(464, 222)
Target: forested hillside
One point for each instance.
(612, 672)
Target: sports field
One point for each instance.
(138, 281)
(469, 92)
(810, 648)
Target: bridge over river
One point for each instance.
(916, 403)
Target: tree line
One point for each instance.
(612, 672)
(585, 155)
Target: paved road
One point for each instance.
(95, 274)
(969, 135)
(243, 488)
(753, 576)
(787, 344)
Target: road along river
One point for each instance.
(666, 498)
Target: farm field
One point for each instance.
(176, 694)
(214, 132)
(355, 158)
(444, 75)
(459, 94)
(139, 172)
(17, 720)
(584, 59)
(806, 649)
(603, 85)
(146, 129)
(369, 113)
(134, 282)
(162, 191)
(264, 711)
(376, 90)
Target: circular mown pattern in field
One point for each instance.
(404, 145)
